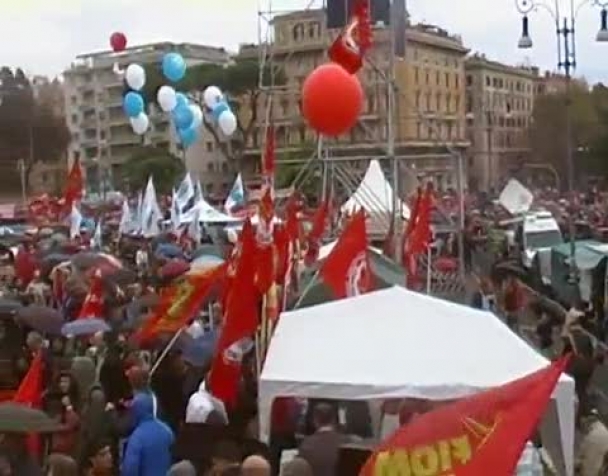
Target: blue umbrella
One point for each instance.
(169, 250)
(83, 327)
(197, 351)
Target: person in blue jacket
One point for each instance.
(148, 450)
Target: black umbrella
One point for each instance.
(9, 307)
(41, 318)
(51, 260)
(16, 418)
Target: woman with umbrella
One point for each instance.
(61, 402)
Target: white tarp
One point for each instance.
(375, 196)
(516, 198)
(397, 343)
(207, 214)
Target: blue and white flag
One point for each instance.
(186, 195)
(236, 197)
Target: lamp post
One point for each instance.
(566, 60)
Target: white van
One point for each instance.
(537, 234)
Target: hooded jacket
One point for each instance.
(148, 451)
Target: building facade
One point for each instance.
(499, 108)
(429, 85)
(101, 133)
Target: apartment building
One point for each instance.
(499, 107)
(101, 134)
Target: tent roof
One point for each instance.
(389, 339)
(208, 214)
(374, 194)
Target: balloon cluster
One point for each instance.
(133, 102)
(187, 116)
(220, 111)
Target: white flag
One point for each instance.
(194, 229)
(150, 211)
(96, 242)
(75, 222)
(175, 212)
(125, 218)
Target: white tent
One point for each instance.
(397, 343)
(375, 196)
(207, 214)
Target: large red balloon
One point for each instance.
(332, 100)
(118, 41)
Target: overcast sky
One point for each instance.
(43, 36)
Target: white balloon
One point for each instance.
(135, 76)
(212, 95)
(197, 115)
(227, 123)
(140, 123)
(166, 98)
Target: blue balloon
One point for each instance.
(218, 109)
(182, 99)
(188, 136)
(174, 67)
(183, 117)
(133, 104)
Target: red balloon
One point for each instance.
(118, 41)
(332, 100)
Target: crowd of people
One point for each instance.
(132, 410)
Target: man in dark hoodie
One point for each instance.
(148, 450)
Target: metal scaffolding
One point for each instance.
(333, 171)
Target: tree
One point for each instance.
(548, 133)
(165, 169)
(30, 130)
(239, 80)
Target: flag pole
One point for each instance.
(308, 287)
(429, 257)
(166, 351)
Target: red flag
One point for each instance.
(418, 233)
(476, 436)
(351, 45)
(241, 319)
(25, 265)
(30, 390)
(347, 270)
(74, 185)
(29, 394)
(319, 221)
(92, 307)
(265, 253)
(181, 301)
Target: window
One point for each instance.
(488, 81)
(438, 78)
(211, 167)
(209, 146)
(427, 78)
(417, 99)
(438, 101)
(416, 74)
(469, 80)
(44, 177)
(447, 80)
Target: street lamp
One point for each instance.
(566, 60)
